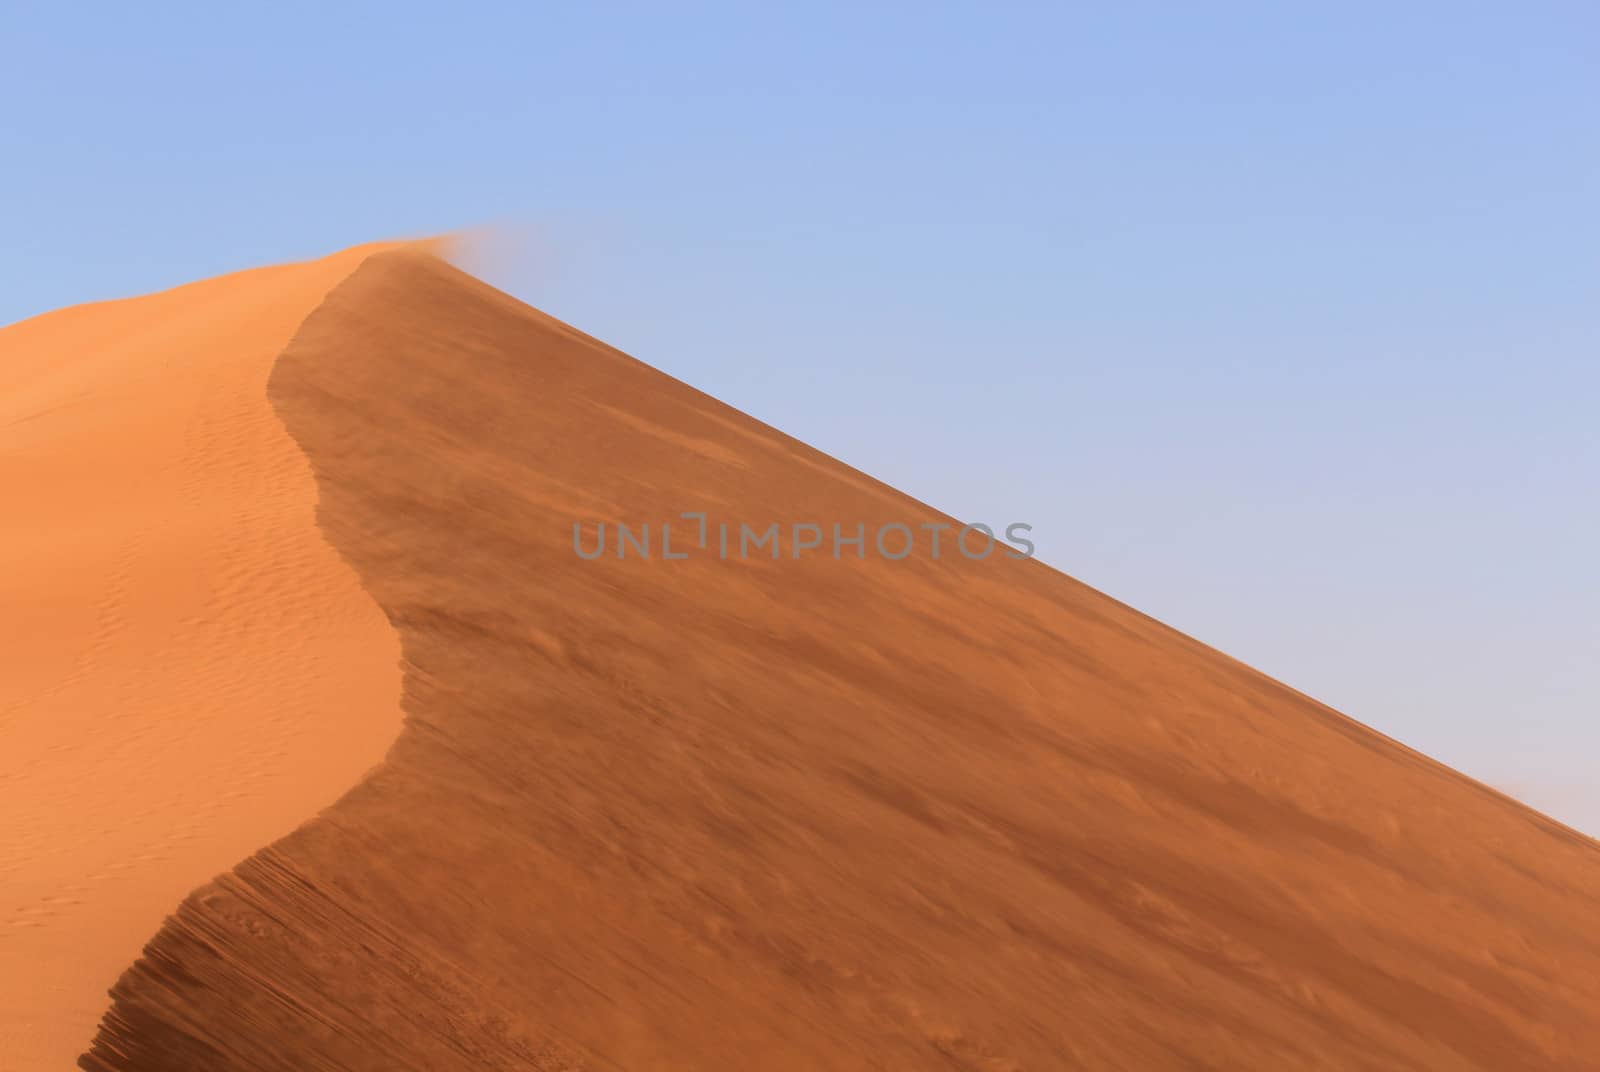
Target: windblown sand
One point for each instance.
(701, 814)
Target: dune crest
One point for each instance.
(811, 814)
(189, 669)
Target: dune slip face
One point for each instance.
(187, 668)
(810, 814)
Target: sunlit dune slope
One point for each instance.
(817, 814)
(187, 668)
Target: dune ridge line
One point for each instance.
(811, 814)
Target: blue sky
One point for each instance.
(1277, 322)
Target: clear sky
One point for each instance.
(1278, 321)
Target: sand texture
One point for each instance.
(783, 816)
(188, 670)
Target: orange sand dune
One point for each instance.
(188, 668)
(808, 814)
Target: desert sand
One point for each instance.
(189, 670)
(645, 814)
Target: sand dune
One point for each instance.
(189, 670)
(698, 814)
